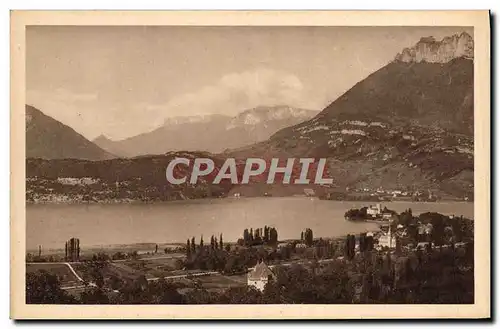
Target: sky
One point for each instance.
(123, 81)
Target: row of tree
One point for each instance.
(192, 249)
(267, 235)
(444, 229)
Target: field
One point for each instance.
(154, 267)
(63, 272)
(219, 281)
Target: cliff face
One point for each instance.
(431, 51)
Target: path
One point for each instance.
(184, 275)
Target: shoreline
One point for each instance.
(137, 246)
(139, 202)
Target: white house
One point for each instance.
(387, 215)
(260, 276)
(309, 192)
(423, 245)
(283, 245)
(425, 229)
(374, 211)
(387, 240)
(300, 246)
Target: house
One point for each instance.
(309, 192)
(374, 211)
(425, 229)
(283, 245)
(387, 240)
(423, 245)
(260, 276)
(300, 246)
(387, 215)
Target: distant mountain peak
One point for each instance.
(428, 49)
(192, 119)
(265, 114)
(101, 138)
(50, 139)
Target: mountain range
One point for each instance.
(212, 133)
(407, 126)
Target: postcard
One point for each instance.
(263, 165)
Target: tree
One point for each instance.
(273, 236)
(362, 243)
(438, 222)
(212, 242)
(308, 237)
(246, 236)
(188, 249)
(193, 246)
(156, 292)
(221, 242)
(201, 242)
(398, 246)
(369, 242)
(45, 288)
(406, 218)
(94, 296)
(350, 245)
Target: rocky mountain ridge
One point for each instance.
(212, 133)
(431, 51)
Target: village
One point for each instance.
(258, 260)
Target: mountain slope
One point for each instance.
(117, 180)
(212, 133)
(50, 139)
(430, 94)
(407, 126)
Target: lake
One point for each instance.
(50, 225)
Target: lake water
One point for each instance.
(50, 225)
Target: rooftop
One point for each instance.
(260, 272)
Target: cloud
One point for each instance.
(65, 95)
(236, 92)
(91, 115)
(77, 110)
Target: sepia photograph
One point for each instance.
(256, 165)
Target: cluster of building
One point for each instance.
(376, 211)
(402, 194)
